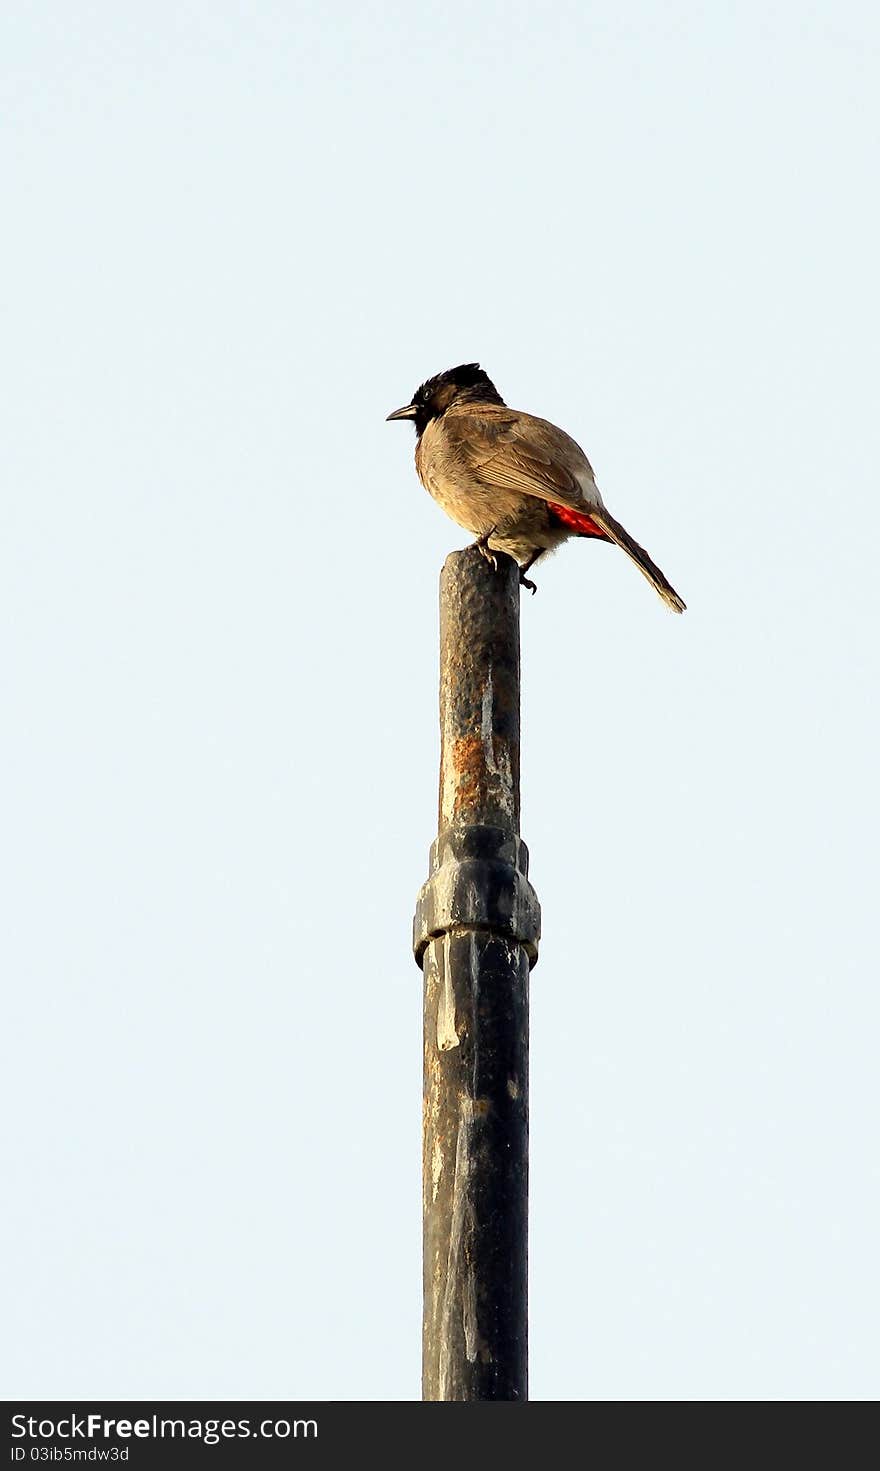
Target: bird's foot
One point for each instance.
(482, 545)
(527, 582)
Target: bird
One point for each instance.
(522, 485)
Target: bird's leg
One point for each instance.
(526, 581)
(482, 545)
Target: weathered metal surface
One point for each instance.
(476, 935)
(475, 1176)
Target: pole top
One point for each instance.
(479, 691)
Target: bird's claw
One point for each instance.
(482, 545)
(527, 582)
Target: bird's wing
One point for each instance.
(505, 450)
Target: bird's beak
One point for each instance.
(408, 412)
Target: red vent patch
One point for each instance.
(578, 522)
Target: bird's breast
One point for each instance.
(453, 486)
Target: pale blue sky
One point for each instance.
(235, 236)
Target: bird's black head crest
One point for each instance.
(465, 384)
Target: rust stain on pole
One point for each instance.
(476, 936)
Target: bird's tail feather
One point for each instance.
(637, 554)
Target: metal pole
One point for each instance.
(476, 934)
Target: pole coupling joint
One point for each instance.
(478, 881)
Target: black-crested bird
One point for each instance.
(519, 483)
